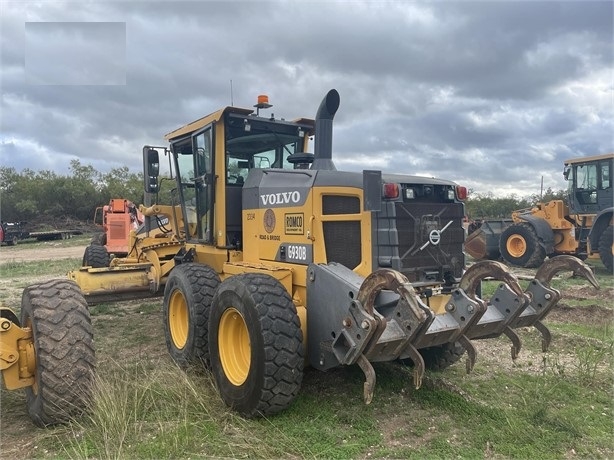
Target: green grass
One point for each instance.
(151, 409)
(552, 405)
(518, 417)
(154, 410)
(76, 240)
(599, 330)
(13, 268)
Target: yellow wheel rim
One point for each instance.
(234, 346)
(178, 319)
(31, 358)
(516, 245)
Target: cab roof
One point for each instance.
(605, 156)
(218, 115)
(204, 121)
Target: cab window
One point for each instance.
(586, 177)
(254, 143)
(605, 176)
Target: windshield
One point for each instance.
(255, 143)
(586, 177)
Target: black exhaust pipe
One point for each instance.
(323, 147)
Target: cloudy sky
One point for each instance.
(491, 94)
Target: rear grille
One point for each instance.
(342, 240)
(334, 204)
(405, 239)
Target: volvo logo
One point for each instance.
(435, 237)
(281, 198)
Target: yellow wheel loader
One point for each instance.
(582, 225)
(274, 260)
(49, 351)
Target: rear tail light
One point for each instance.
(461, 192)
(391, 190)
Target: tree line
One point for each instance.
(31, 196)
(487, 206)
(44, 195)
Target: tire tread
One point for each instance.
(65, 356)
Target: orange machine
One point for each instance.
(117, 218)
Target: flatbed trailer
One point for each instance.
(50, 235)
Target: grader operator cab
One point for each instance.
(274, 259)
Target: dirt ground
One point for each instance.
(52, 251)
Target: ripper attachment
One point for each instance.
(355, 320)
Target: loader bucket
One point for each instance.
(483, 243)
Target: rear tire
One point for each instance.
(606, 248)
(187, 303)
(519, 245)
(96, 256)
(100, 239)
(64, 349)
(257, 354)
(439, 357)
(442, 356)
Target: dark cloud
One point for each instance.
(75, 53)
(491, 94)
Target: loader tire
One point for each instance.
(187, 302)
(519, 245)
(257, 354)
(606, 248)
(96, 256)
(64, 351)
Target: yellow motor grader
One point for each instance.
(270, 259)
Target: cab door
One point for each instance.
(195, 179)
(202, 146)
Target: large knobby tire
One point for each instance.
(187, 302)
(64, 349)
(256, 343)
(606, 248)
(519, 245)
(99, 239)
(439, 357)
(96, 256)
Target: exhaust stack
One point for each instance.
(323, 148)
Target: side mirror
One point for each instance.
(151, 169)
(566, 172)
